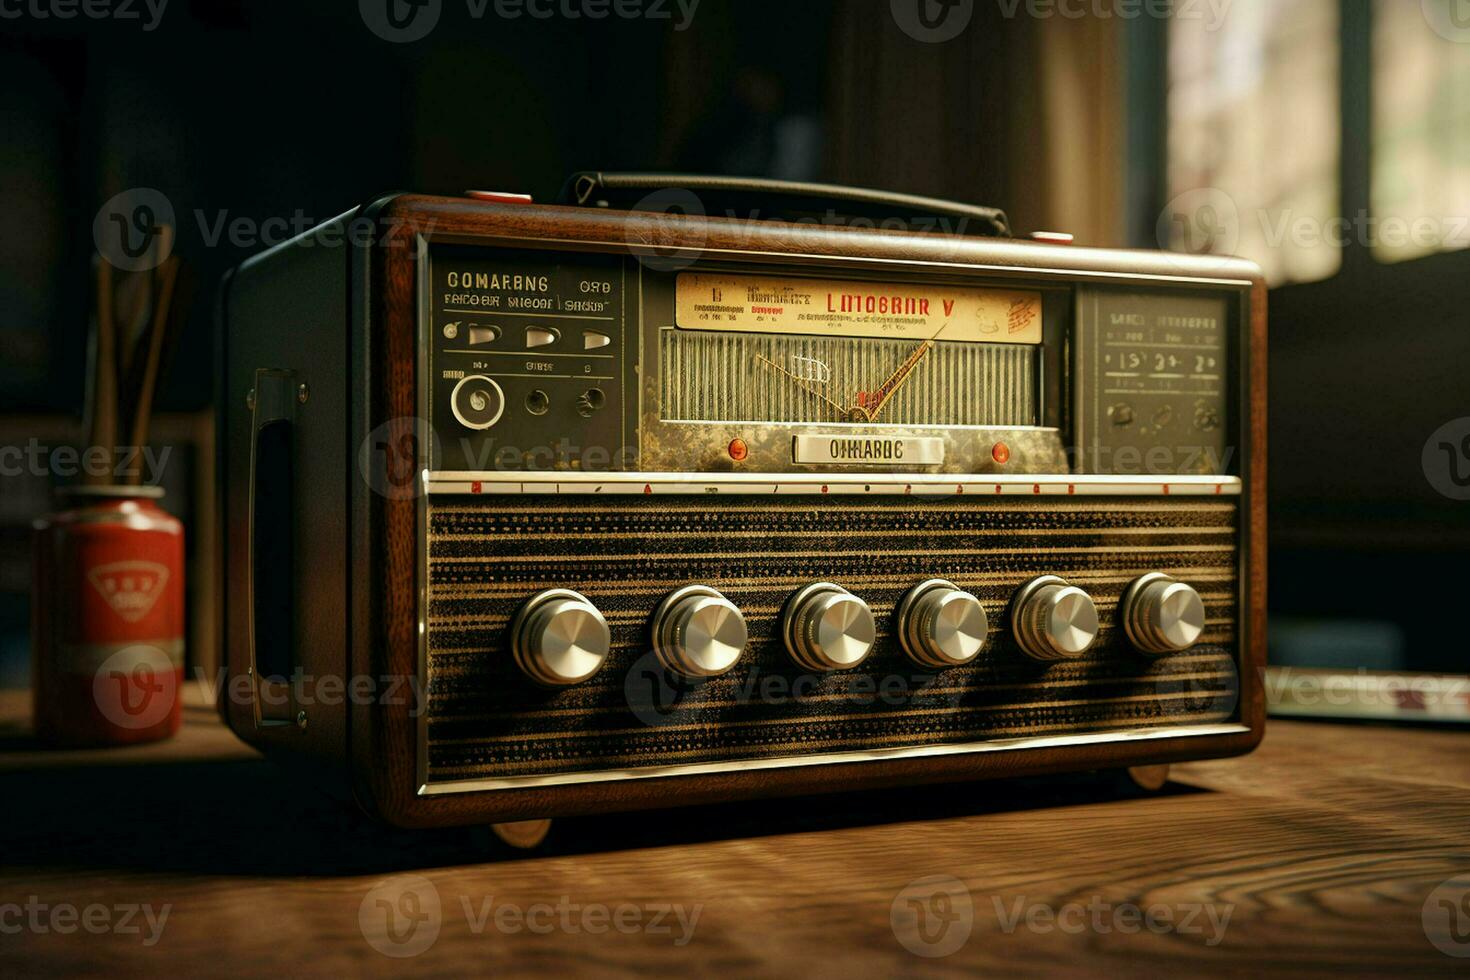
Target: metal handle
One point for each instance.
(271, 546)
(596, 188)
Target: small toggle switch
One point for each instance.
(483, 335)
(592, 340)
(541, 336)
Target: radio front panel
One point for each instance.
(610, 434)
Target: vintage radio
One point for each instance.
(548, 510)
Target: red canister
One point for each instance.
(107, 618)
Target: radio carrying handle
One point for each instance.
(764, 198)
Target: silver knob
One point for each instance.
(826, 627)
(939, 625)
(559, 638)
(1053, 620)
(1161, 614)
(477, 402)
(698, 632)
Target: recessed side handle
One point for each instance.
(272, 543)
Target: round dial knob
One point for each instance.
(826, 627)
(940, 625)
(698, 632)
(1161, 614)
(477, 402)
(559, 638)
(1053, 620)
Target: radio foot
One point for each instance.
(522, 835)
(1151, 779)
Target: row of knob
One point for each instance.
(560, 638)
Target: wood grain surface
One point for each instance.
(1323, 848)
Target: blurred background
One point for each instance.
(1328, 140)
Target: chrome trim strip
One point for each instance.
(875, 484)
(1009, 271)
(870, 755)
(883, 426)
(425, 405)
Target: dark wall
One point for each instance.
(292, 110)
(1364, 368)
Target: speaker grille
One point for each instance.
(728, 377)
(487, 555)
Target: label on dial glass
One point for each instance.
(847, 308)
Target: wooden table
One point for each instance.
(1322, 848)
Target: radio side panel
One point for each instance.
(284, 472)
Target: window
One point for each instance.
(1420, 196)
(1254, 135)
